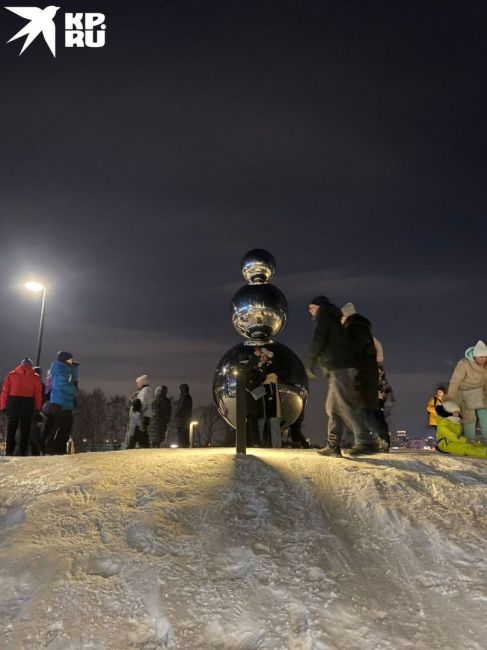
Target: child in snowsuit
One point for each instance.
(449, 436)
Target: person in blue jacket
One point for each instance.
(64, 385)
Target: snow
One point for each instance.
(277, 550)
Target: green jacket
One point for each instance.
(450, 440)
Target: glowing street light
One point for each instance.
(37, 287)
(192, 425)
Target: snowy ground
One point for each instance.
(200, 549)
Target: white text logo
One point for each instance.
(80, 29)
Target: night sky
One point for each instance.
(348, 138)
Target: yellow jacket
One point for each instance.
(431, 408)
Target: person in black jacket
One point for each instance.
(270, 416)
(359, 330)
(161, 416)
(332, 350)
(182, 416)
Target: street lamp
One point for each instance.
(37, 287)
(192, 425)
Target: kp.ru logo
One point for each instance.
(80, 29)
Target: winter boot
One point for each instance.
(362, 448)
(382, 446)
(332, 452)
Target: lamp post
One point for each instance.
(37, 287)
(192, 425)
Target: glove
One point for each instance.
(310, 373)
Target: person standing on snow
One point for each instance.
(468, 388)
(331, 349)
(21, 397)
(366, 350)
(269, 421)
(37, 426)
(63, 380)
(182, 416)
(161, 416)
(140, 414)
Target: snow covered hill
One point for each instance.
(276, 550)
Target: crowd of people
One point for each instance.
(458, 413)
(343, 348)
(40, 413)
(350, 357)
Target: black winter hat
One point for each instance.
(320, 301)
(184, 388)
(64, 356)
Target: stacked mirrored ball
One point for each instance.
(259, 312)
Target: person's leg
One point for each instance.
(49, 434)
(144, 438)
(469, 430)
(183, 435)
(335, 432)
(376, 423)
(13, 423)
(482, 418)
(252, 430)
(25, 423)
(347, 405)
(275, 426)
(63, 425)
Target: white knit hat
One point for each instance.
(450, 406)
(348, 309)
(143, 379)
(480, 349)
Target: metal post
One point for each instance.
(41, 328)
(241, 435)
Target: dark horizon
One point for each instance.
(348, 138)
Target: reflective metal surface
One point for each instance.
(293, 383)
(259, 311)
(258, 266)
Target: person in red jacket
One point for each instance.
(21, 396)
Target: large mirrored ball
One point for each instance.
(258, 266)
(292, 381)
(259, 311)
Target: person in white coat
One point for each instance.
(468, 388)
(140, 414)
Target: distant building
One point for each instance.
(399, 439)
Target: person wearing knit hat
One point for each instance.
(182, 415)
(359, 331)
(21, 396)
(63, 381)
(332, 351)
(160, 418)
(348, 309)
(139, 414)
(480, 350)
(468, 388)
(449, 434)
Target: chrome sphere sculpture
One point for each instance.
(258, 266)
(259, 312)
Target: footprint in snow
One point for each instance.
(78, 493)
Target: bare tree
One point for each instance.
(211, 423)
(91, 420)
